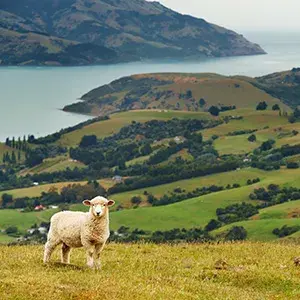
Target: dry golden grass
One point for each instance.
(245, 271)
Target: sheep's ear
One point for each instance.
(87, 202)
(110, 203)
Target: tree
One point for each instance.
(275, 107)
(212, 225)
(146, 149)
(262, 106)
(267, 145)
(13, 142)
(136, 200)
(214, 110)
(202, 102)
(88, 140)
(236, 233)
(189, 94)
(11, 230)
(7, 142)
(19, 155)
(6, 199)
(252, 138)
(13, 158)
(292, 165)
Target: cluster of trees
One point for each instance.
(295, 116)
(262, 105)
(215, 110)
(241, 132)
(173, 172)
(74, 193)
(11, 158)
(180, 196)
(134, 141)
(18, 144)
(285, 230)
(268, 158)
(36, 156)
(176, 235)
(274, 194)
(236, 212)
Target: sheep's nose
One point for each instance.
(98, 214)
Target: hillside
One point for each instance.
(77, 32)
(175, 91)
(146, 271)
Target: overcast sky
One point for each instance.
(242, 14)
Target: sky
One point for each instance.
(249, 15)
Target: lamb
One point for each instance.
(77, 229)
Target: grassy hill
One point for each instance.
(146, 271)
(106, 31)
(180, 91)
(190, 213)
(108, 127)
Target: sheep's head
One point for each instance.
(99, 206)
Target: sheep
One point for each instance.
(77, 229)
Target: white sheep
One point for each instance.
(77, 229)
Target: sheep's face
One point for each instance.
(99, 206)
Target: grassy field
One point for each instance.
(117, 121)
(56, 164)
(286, 210)
(195, 212)
(260, 230)
(36, 191)
(268, 125)
(186, 271)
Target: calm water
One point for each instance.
(31, 97)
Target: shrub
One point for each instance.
(262, 106)
(285, 231)
(252, 138)
(212, 225)
(236, 233)
(292, 165)
(214, 111)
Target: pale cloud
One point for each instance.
(241, 14)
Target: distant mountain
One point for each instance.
(76, 32)
(186, 92)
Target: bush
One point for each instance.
(136, 200)
(212, 225)
(88, 140)
(236, 233)
(214, 111)
(252, 138)
(275, 107)
(262, 106)
(285, 231)
(11, 230)
(292, 165)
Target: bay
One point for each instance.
(31, 98)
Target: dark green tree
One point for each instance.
(214, 110)
(236, 233)
(275, 107)
(262, 106)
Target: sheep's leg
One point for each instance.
(90, 255)
(97, 261)
(49, 248)
(65, 254)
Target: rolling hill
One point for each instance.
(76, 32)
(178, 91)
